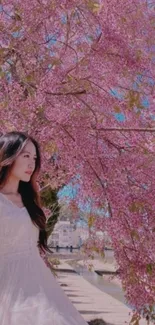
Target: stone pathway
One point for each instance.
(90, 301)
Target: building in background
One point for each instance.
(66, 234)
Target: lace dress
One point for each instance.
(29, 293)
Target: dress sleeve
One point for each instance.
(1, 207)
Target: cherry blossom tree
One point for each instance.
(79, 77)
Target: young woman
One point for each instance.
(29, 294)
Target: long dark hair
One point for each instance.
(11, 145)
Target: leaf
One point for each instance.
(135, 320)
(117, 109)
(91, 221)
(133, 207)
(93, 6)
(124, 19)
(16, 29)
(2, 74)
(139, 54)
(56, 62)
(102, 254)
(30, 77)
(145, 151)
(17, 16)
(134, 99)
(136, 207)
(135, 234)
(149, 268)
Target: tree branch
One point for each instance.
(151, 130)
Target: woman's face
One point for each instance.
(25, 163)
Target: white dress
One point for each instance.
(29, 293)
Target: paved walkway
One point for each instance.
(102, 265)
(90, 301)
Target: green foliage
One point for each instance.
(49, 200)
(149, 268)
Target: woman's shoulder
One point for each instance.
(11, 203)
(4, 201)
(9, 208)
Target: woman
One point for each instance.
(29, 294)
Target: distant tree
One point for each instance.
(49, 199)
